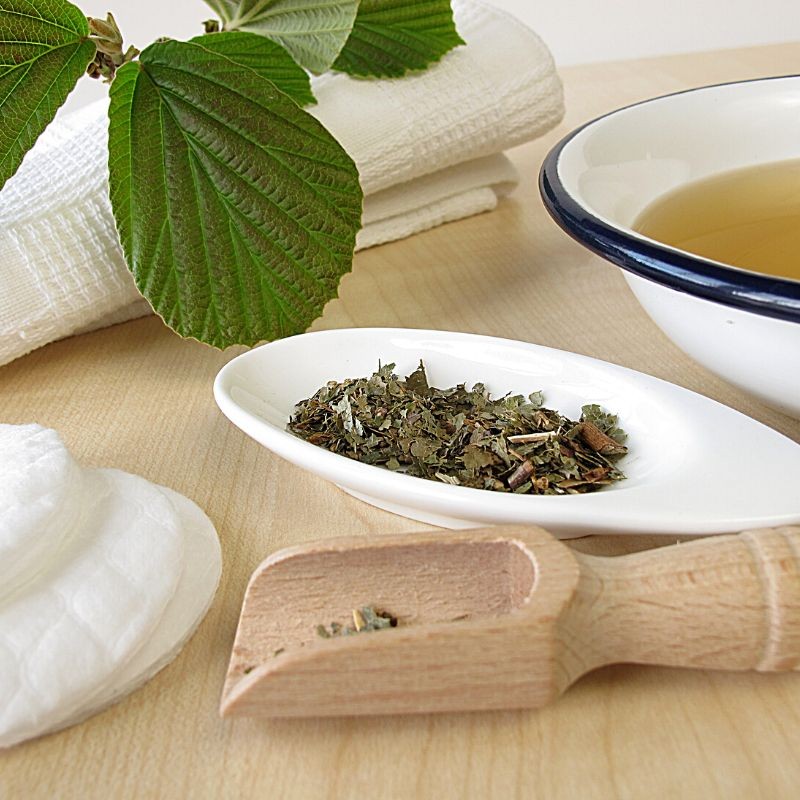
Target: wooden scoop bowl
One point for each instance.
(504, 617)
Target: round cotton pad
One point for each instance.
(186, 609)
(103, 578)
(81, 620)
(40, 499)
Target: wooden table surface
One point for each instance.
(138, 398)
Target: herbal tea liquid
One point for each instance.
(748, 218)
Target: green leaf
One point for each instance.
(393, 37)
(267, 58)
(44, 49)
(236, 209)
(312, 31)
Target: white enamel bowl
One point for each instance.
(740, 324)
(695, 466)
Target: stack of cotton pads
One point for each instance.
(103, 578)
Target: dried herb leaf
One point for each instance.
(365, 619)
(462, 436)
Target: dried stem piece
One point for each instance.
(599, 441)
(524, 438)
(521, 474)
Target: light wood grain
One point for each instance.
(727, 602)
(137, 398)
(502, 617)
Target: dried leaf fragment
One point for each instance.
(365, 619)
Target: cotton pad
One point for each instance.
(133, 570)
(183, 614)
(40, 491)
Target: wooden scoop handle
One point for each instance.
(730, 602)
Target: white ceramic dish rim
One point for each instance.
(713, 280)
(454, 506)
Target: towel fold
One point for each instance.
(428, 148)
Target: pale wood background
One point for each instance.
(138, 398)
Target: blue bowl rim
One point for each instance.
(751, 291)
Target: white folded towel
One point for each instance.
(428, 148)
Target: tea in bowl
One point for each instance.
(696, 196)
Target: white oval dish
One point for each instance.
(694, 467)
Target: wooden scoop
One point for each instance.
(504, 617)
